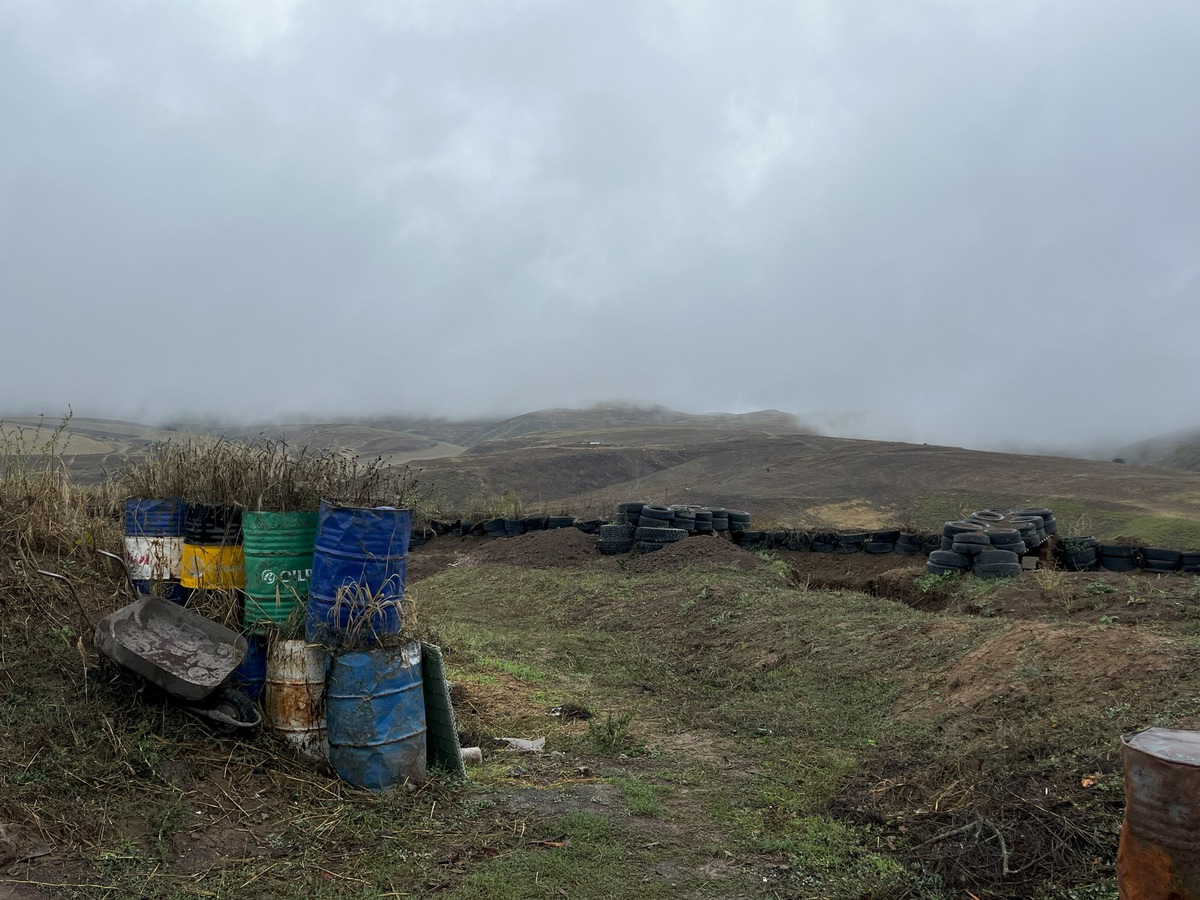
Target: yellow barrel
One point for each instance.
(212, 548)
(213, 566)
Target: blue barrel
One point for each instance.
(252, 673)
(154, 545)
(357, 583)
(375, 716)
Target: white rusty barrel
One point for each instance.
(1159, 856)
(294, 701)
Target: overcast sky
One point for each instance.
(967, 221)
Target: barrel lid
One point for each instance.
(1171, 744)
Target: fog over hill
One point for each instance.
(974, 222)
(1178, 450)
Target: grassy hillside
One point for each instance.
(814, 481)
(1178, 450)
(749, 736)
(718, 723)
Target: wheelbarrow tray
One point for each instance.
(182, 652)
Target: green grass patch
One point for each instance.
(580, 855)
(511, 667)
(1080, 517)
(644, 798)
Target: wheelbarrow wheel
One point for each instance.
(233, 704)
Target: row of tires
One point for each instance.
(986, 563)
(622, 538)
(497, 527)
(886, 541)
(692, 519)
(1086, 554)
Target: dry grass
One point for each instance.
(41, 512)
(265, 475)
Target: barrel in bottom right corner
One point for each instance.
(1159, 853)
(375, 709)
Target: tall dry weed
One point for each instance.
(265, 475)
(42, 513)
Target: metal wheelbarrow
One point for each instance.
(188, 656)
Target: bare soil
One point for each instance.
(698, 551)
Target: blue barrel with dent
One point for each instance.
(154, 545)
(375, 716)
(356, 588)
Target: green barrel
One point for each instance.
(279, 554)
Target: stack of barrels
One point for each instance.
(375, 696)
(351, 691)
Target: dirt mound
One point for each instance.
(539, 549)
(695, 552)
(1077, 668)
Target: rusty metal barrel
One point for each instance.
(294, 701)
(1159, 855)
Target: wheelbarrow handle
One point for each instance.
(124, 569)
(87, 620)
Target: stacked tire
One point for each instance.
(739, 520)
(882, 542)
(1161, 561)
(615, 539)
(851, 542)
(683, 517)
(652, 538)
(653, 516)
(1117, 557)
(1078, 554)
(996, 564)
(628, 513)
(792, 540)
(990, 542)
(1049, 523)
(824, 542)
(909, 543)
(947, 562)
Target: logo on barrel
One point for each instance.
(287, 576)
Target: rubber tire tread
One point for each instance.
(1160, 554)
(973, 537)
(997, 558)
(950, 529)
(950, 559)
(664, 535)
(968, 549)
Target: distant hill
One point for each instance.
(1177, 450)
(97, 446)
(593, 418)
